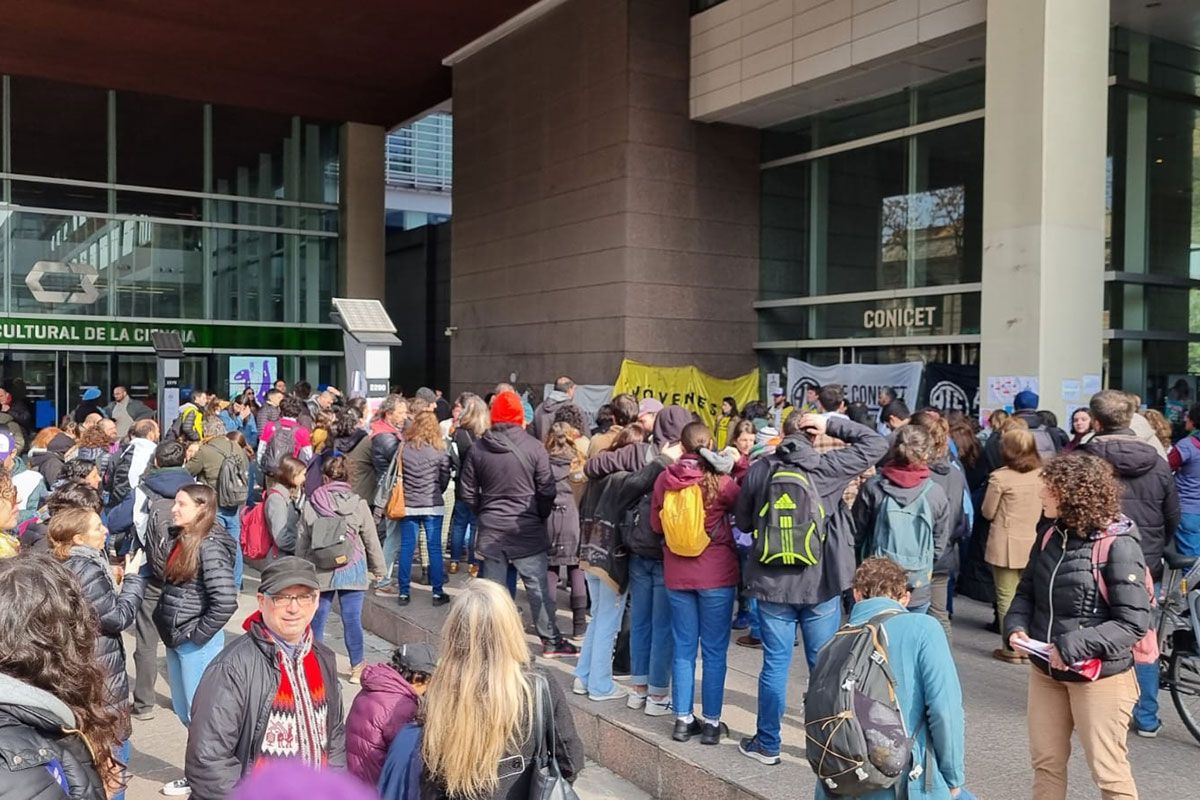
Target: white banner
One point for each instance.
(861, 382)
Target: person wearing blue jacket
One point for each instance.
(927, 686)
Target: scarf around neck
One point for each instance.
(297, 725)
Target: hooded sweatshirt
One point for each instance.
(543, 416)
(157, 484)
(904, 484)
(1150, 498)
(32, 738)
(386, 704)
(49, 461)
(717, 566)
(337, 499)
(669, 425)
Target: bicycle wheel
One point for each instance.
(1184, 677)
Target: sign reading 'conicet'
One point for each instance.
(911, 317)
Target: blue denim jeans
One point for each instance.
(1187, 537)
(462, 533)
(122, 753)
(350, 603)
(232, 522)
(651, 643)
(818, 623)
(700, 617)
(1145, 711)
(596, 657)
(410, 528)
(185, 666)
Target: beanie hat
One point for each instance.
(1025, 400)
(507, 408)
(669, 424)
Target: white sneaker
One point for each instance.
(616, 694)
(578, 688)
(176, 788)
(657, 708)
(636, 700)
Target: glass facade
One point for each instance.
(900, 212)
(1152, 245)
(128, 205)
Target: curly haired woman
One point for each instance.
(1061, 602)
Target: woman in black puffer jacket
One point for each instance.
(58, 730)
(198, 595)
(1060, 601)
(77, 540)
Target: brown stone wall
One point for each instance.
(593, 220)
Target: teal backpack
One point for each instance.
(905, 535)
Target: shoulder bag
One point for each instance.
(547, 781)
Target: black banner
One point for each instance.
(952, 386)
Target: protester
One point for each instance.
(189, 425)
(47, 453)
(928, 692)
(55, 705)
(208, 465)
(543, 416)
(651, 641)
(295, 436)
(1081, 429)
(132, 461)
(387, 432)
(472, 422)
(1184, 460)
(647, 412)
(9, 544)
(1149, 499)
(895, 415)
(1013, 503)
(95, 445)
(480, 710)
(10, 423)
(390, 698)
(809, 598)
(77, 540)
(89, 404)
(780, 407)
(624, 412)
(904, 515)
(124, 411)
(507, 482)
(426, 475)
(1060, 599)
(562, 526)
(338, 535)
(238, 417)
(1161, 427)
(269, 410)
(949, 476)
(702, 587)
(198, 595)
(282, 502)
(272, 694)
(727, 419)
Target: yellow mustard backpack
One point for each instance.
(682, 519)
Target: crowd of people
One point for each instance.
(816, 526)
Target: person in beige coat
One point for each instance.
(1013, 503)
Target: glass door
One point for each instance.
(85, 371)
(33, 377)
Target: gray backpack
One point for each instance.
(332, 542)
(233, 481)
(857, 739)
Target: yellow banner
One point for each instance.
(686, 386)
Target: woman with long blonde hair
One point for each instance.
(479, 737)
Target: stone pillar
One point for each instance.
(1044, 178)
(361, 244)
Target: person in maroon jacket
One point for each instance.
(701, 589)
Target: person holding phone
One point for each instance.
(77, 538)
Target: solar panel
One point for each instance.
(363, 316)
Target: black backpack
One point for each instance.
(332, 542)
(790, 529)
(282, 444)
(233, 481)
(857, 741)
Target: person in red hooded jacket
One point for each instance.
(701, 589)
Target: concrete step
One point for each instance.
(634, 746)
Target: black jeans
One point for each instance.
(145, 654)
(534, 572)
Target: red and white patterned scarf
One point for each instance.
(297, 720)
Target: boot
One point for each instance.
(580, 622)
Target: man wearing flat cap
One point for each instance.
(272, 694)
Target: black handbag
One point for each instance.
(547, 781)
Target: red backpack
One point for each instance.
(1145, 650)
(256, 537)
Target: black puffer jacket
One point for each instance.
(1058, 600)
(830, 472)
(1150, 498)
(511, 495)
(426, 476)
(231, 708)
(115, 611)
(640, 540)
(32, 722)
(197, 610)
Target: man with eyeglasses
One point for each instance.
(272, 694)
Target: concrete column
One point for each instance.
(361, 244)
(1044, 176)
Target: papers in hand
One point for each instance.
(1089, 668)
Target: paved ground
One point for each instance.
(158, 744)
